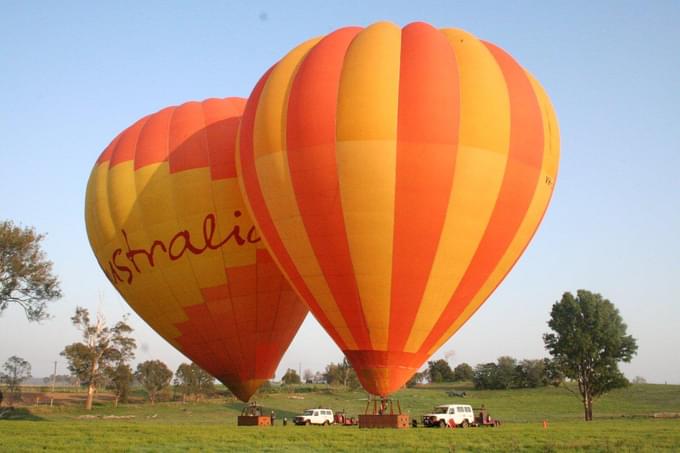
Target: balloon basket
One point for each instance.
(382, 414)
(251, 415)
(254, 420)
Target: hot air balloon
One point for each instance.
(396, 175)
(168, 226)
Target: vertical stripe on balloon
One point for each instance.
(310, 147)
(519, 184)
(429, 115)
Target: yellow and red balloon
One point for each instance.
(396, 176)
(168, 225)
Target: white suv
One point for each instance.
(315, 417)
(460, 414)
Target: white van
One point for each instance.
(459, 414)
(315, 417)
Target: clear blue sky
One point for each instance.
(74, 74)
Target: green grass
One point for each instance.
(623, 423)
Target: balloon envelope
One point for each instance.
(168, 226)
(396, 175)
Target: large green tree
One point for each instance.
(26, 277)
(154, 376)
(439, 371)
(588, 340)
(102, 348)
(463, 372)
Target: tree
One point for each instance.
(506, 376)
(551, 373)
(587, 342)
(290, 377)
(190, 379)
(342, 374)
(486, 376)
(101, 348)
(439, 371)
(25, 274)
(154, 376)
(416, 379)
(463, 372)
(16, 370)
(530, 374)
(120, 379)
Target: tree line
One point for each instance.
(586, 342)
(506, 373)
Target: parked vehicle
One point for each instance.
(315, 417)
(460, 415)
(340, 418)
(484, 419)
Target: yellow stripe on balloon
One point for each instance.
(484, 139)
(367, 112)
(272, 169)
(537, 207)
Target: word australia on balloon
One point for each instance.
(169, 227)
(396, 175)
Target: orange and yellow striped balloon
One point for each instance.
(396, 176)
(168, 226)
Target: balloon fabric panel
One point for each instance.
(170, 229)
(408, 171)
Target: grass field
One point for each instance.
(623, 422)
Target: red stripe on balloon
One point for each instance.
(429, 117)
(261, 214)
(153, 146)
(222, 118)
(126, 145)
(105, 156)
(517, 189)
(188, 140)
(310, 142)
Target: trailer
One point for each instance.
(340, 418)
(483, 418)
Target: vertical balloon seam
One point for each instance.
(453, 309)
(365, 107)
(221, 344)
(143, 215)
(333, 42)
(481, 102)
(223, 263)
(210, 345)
(166, 279)
(194, 131)
(361, 312)
(262, 215)
(283, 280)
(548, 111)
(398, 341)
(325, 319)
(114, 158)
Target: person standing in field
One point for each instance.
(273, 417)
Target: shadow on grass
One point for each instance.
(18, 413)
